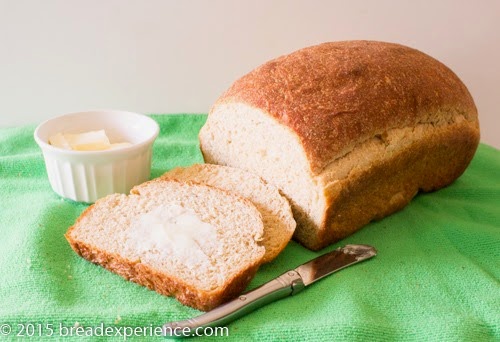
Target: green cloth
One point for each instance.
(436, 277)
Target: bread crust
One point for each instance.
(389, 185)
(335, 95)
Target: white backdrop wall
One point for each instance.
(160, 56)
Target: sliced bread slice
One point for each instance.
(275, 209)
(191, 241)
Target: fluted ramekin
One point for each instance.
(86, 176)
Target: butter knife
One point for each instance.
(289, 283)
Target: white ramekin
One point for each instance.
(86, 176)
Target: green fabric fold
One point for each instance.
(436, 277)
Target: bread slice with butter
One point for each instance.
(275, 209)
(195, 242)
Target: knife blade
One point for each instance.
(289, 283)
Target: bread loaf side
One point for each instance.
(349, 132)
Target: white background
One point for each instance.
(156, 56)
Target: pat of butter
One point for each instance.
(59, 140)
(88, 141)
(174, 229)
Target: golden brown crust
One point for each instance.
(335, 95)
(162, 283)
(384, 188)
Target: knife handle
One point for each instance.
(285, 285)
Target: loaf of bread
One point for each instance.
(279, 224)
(195, 242)
(348, 131)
